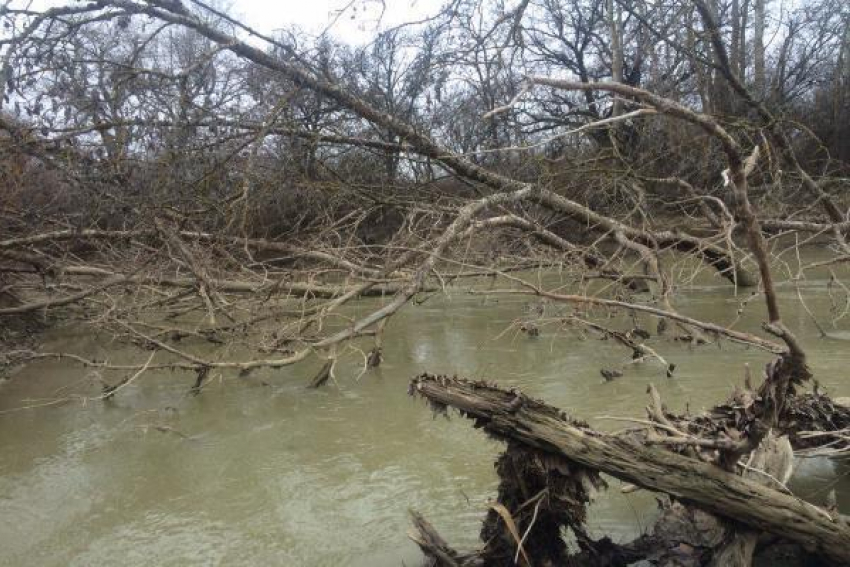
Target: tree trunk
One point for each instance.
(758, 49)
(735, 60)
(615, 25)
(510, 415)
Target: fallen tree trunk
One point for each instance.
(512, 416)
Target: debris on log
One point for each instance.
(819, 425)
(745, 504)
(539, 495)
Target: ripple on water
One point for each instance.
(281, 475)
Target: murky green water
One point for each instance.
(253, 474)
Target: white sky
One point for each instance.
(354, 21)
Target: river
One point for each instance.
(262, 471)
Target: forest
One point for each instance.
(216, 206)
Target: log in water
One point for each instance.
(278, 474)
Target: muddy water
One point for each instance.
(272, 474)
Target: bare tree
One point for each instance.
(245, 191)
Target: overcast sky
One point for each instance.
(357, 23)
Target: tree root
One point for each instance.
(715, 517)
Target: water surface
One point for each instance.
(264, 472)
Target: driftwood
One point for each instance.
(543, 429)
(435, 547)
(325, 373)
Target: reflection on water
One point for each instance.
(251, 474)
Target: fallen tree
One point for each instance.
(548, 433)
(186, 244)
(193, 225)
